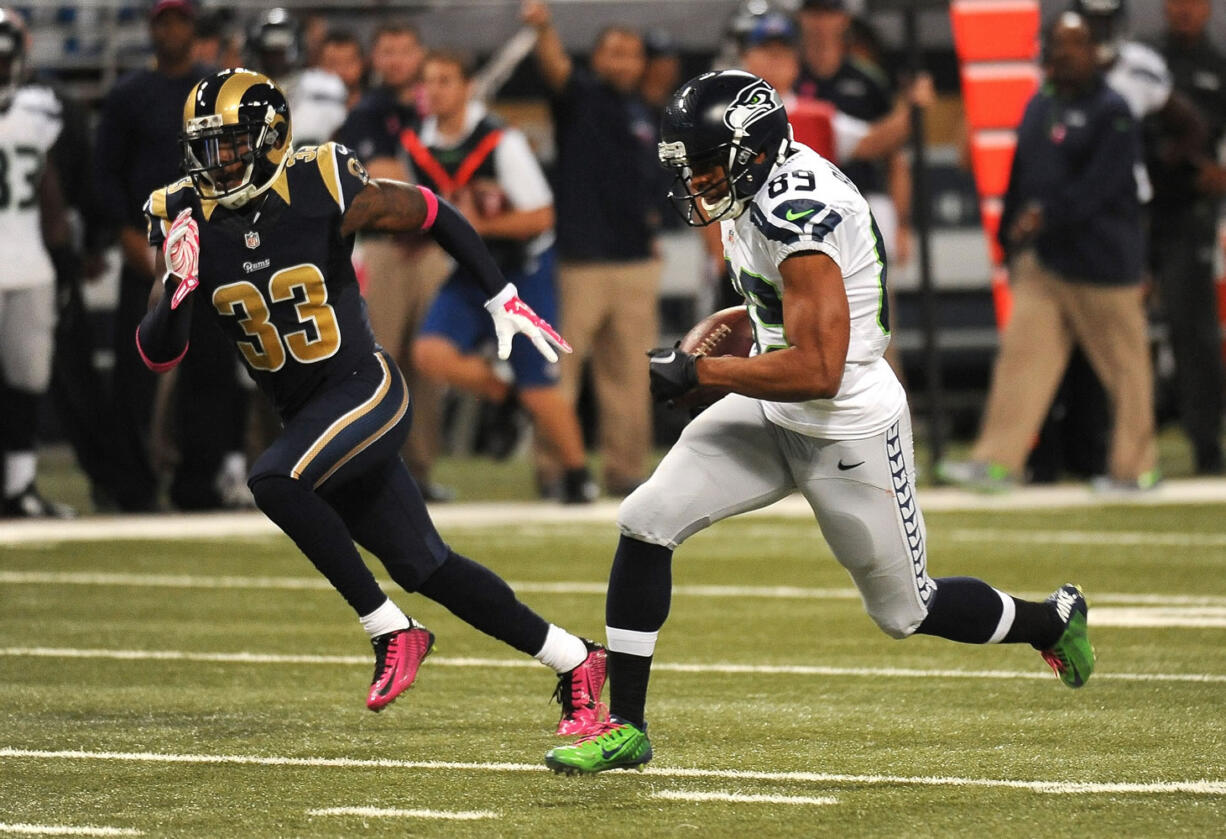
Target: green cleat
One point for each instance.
(616, 744)
(1072, 656)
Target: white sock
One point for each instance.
(19, 469)
(1007, 614)
(562, 651)
(387, 618)
(631, 642)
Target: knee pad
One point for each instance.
(894, 625)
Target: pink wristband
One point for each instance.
(157, 366)
(431, 206)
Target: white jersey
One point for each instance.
(28, 129)
(318, 103)
(808, 205)
(1141, 76)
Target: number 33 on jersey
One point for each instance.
(279, 274)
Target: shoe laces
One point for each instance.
(1055, 661)
(573, 690)
(601, 729)
(571, 693)
(383, 661)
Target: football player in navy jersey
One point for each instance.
(261, 234)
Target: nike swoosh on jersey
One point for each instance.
(843, 467)
(791, 216)
(663, 359)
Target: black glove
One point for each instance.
(673, 373)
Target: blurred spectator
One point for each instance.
(318, 98)
(138, 151)
(608, 276)
(77, 390)
(769, 50)
(218, 42)
(663, 71)
(489, 172)
(341, 53)
(315, 29)
(403, 272)
(1072, 231)
(1184, 219)
(33, 222)
(862, 89)
(1074, 435)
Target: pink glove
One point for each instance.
(512, 315)
(182, 250)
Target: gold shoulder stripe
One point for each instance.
(157, 203)
(326, 160)
(281, 185)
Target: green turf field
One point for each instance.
(215, 688)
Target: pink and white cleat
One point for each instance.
(579, 692)
(397, 656)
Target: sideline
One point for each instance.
(191, 526)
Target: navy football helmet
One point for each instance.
(728, 120)
(235, 117)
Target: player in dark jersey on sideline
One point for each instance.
(262, 235)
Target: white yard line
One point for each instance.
(1089, 537)
(393, 813)
(201, 581)
(1192, 787)
(66, 830)
(660, 666)
(740, 798)
(528, 513)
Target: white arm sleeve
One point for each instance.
(519, 173)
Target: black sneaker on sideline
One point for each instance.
(578, 487)
(29, 504)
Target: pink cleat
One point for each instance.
(397, 656)
(579, 692)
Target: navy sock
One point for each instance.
(640, 592)
(969, 610)
(963, 609)
(628, 677)
(481, 598)
(320, 533)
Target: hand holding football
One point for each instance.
(726, 332)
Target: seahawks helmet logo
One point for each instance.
(752, 103)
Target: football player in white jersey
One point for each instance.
(31, 213)
(814, 409)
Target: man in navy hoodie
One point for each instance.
(1072, 231)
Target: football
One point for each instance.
(726, 332)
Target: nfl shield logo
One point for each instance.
(252, 239)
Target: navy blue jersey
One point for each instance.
(278, 275)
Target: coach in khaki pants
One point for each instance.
(610, 316)
(608, 277)
(1050, 314)
(1072, 228)
(402, 280)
